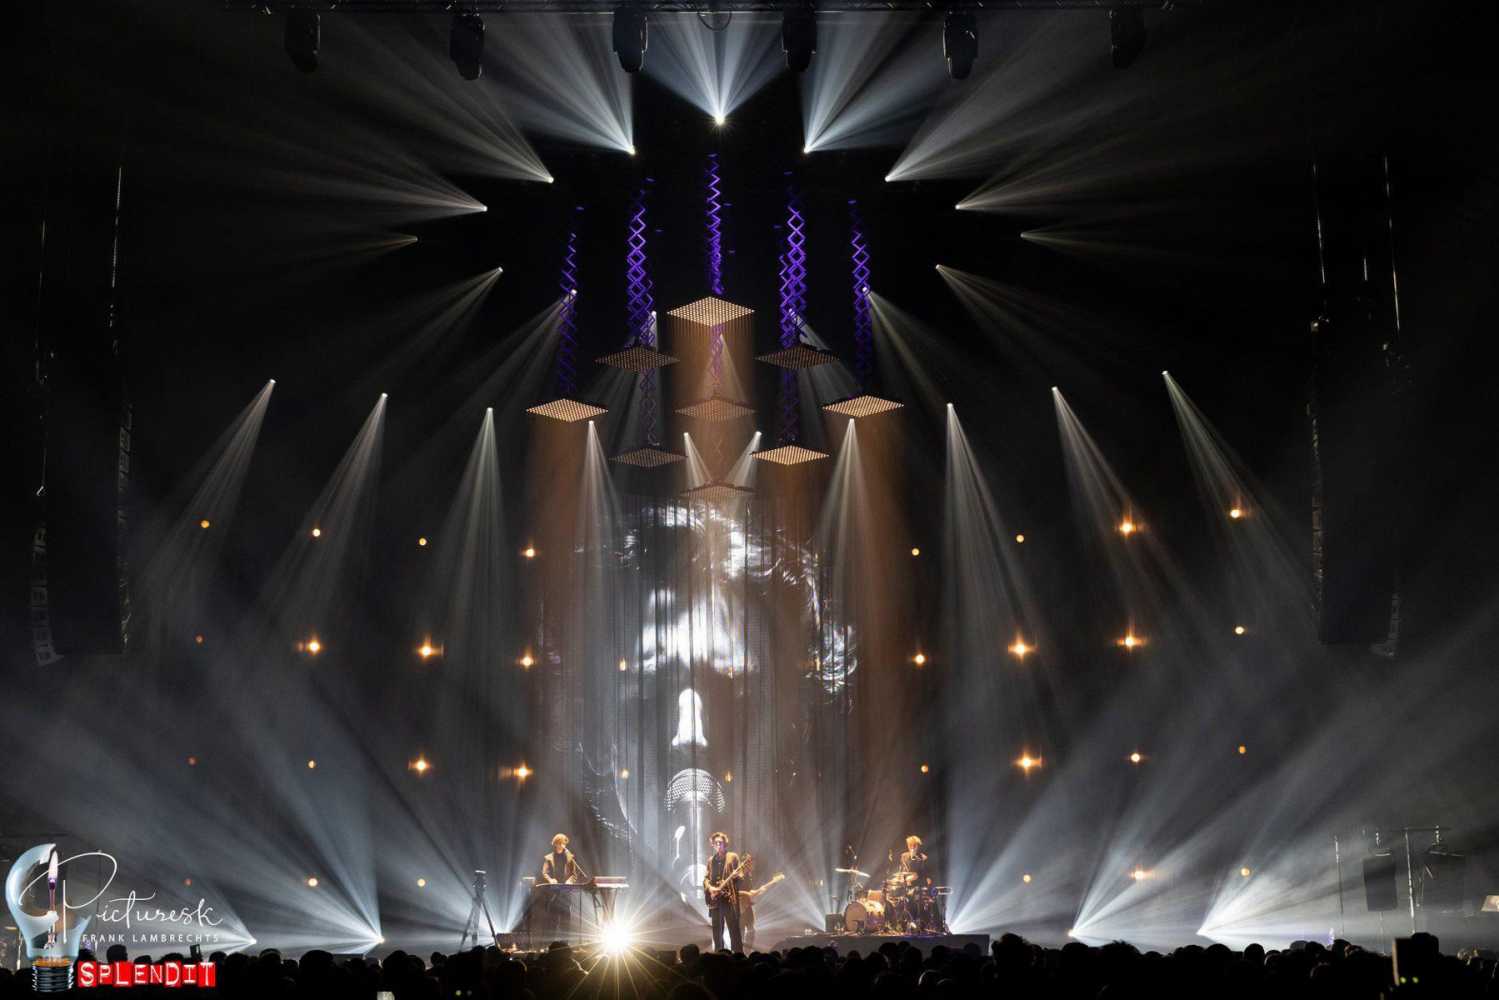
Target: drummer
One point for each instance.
(913, 862)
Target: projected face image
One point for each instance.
(705, 607)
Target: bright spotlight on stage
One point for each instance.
(1027, 763)
(205, 524)
(303, 31)
(1235, 512)
(1126, 35)
(616, 939)
(1128, 527)
(799, 38)
(960, 44)
(1139, 874)
(1020, 648)
(720, 121)
(466, 44)
(1131, 641)
(1136, 757)
(630, 38)
(420, 765)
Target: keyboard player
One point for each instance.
(558, 867)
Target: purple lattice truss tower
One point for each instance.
(641, 307)
(859, 273)
(567, 314)
(713, 219)
(793, 277)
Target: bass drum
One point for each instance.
(864, 916)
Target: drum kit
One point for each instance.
(901, 905)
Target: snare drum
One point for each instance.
(864, 916)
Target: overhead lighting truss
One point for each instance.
(709, 7)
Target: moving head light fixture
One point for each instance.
(960, 43)
(466, 44)
(630, 37)
(799, 37)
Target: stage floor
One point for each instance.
(866, 943)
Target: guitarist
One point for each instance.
(747, 900)
(721, 890)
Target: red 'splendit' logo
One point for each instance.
(168, 974)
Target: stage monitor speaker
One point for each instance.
(832, 923)
(1379, 882)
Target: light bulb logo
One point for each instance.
(51, 939)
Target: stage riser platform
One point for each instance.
(864, 944)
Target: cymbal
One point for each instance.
(851, 871)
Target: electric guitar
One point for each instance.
(712, 891)
(755, 893)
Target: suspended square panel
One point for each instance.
(638, 360)
(789, 454)
(710, 312)
(800, 356)
(717, 493)
(649, 457)
(567, 410)
(862, 406)
(716, 409)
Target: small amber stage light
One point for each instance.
(1136, 757)
(420, 765)
(1020, 648)
(1027, 763)
(919, 659)
(205, 524)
